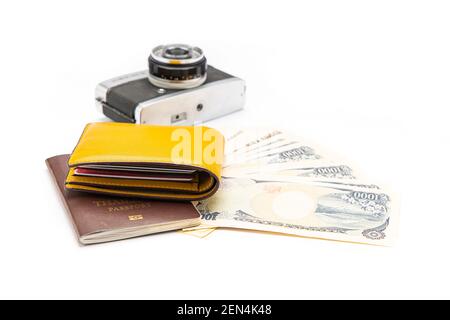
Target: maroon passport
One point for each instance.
(99, 218)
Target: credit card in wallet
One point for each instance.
(122, 174)
(136, 168)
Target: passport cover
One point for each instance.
(100, 218)
(122, 144)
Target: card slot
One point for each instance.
(122, 174)
(143, 168)
(144, 184)
(202, 183)
(155, 194)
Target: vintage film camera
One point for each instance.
(179, 88)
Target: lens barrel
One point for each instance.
(177, 66)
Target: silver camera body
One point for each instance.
(178, 89)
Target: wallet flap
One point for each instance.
(110, 142)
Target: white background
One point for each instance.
(368, 79)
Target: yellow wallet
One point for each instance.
(159, 162)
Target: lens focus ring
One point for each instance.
(177, 66)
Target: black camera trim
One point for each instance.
(177, 71)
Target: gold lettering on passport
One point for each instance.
(128, 208)
(106, 203)
(136, 217)
(113, 206)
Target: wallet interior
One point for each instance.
(143, 179)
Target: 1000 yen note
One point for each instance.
(238, 140)
(312, 171)
(289, 153)
(337, 212)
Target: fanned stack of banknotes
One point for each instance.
(276, 182)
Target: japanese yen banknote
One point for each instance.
(274, 181)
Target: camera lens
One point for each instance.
(177, 53)
(177, 66)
